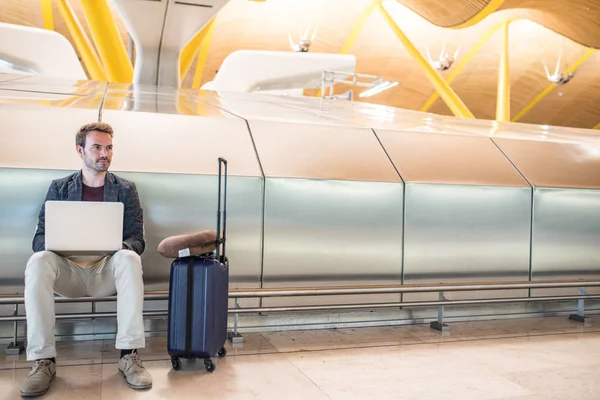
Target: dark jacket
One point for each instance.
(116, 189)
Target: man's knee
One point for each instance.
(42, 263)
(127, 260)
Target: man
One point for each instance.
(48, 273)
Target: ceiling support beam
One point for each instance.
(454, 102)
(503, 101)
(203, 54)
(82, 43)
(359, 26)
(464, 61)
(108, 41)
(189, 51)
(550, 87)
(47, 15)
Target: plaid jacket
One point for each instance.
(116, 189)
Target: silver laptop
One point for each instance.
(76, 228)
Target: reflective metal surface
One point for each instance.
(167, 143)
(42, 84)
(41, 137)
(566, 236)
(434, 158)
(176, 203)
(324, 233)
(363, 114)
(321, 152)
(172, 204)
(456, 233)
(22, 192)
(254, 110)
(333, 209)
(160, 29)
(176, 103)
(559, 165)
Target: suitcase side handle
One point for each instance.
(221, 239)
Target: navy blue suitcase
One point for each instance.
(198, 298)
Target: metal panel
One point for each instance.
(456, 233)
(321, 152)
(167, 143)
(173, 161)
(516, 130)
(322, 233)
(164, 103)
(20, 97)
(41, 137)
(566, 236)
(177, 203)
(172, 204)
(44, 84)
(434, 158)
(22, 193)
(558, 165)
(253, 109)
(361, 114)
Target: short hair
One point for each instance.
(94, 126)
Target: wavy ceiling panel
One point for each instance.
(446, 13)
(578, 20)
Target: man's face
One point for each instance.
(98, 151)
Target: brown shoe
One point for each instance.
(38, 381)
(136, 376)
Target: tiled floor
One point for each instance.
(526, 359)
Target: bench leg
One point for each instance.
(439, 325)
(580, 316)
(235, 337)
(15, 348)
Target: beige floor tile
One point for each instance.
(254, 343)
(68, 353)
(461, 331)
(82, 382)
(156, 348)
(346, 338)
(237, 377)
(407, 372)
(532, 353)
(546, 358)
(503, 328)
(568, 383)
(551, 325)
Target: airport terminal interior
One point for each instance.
(412, 194)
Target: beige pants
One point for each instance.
(48, 273)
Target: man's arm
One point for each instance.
(39, 239)
(133, 229)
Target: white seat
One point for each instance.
(38, 51)
(282, 71)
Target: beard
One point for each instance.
(97, 165)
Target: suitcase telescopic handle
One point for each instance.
(221, 239)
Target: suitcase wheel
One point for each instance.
(176, 363)
(210, 367)
(222, 352)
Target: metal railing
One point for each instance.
(237, 294)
